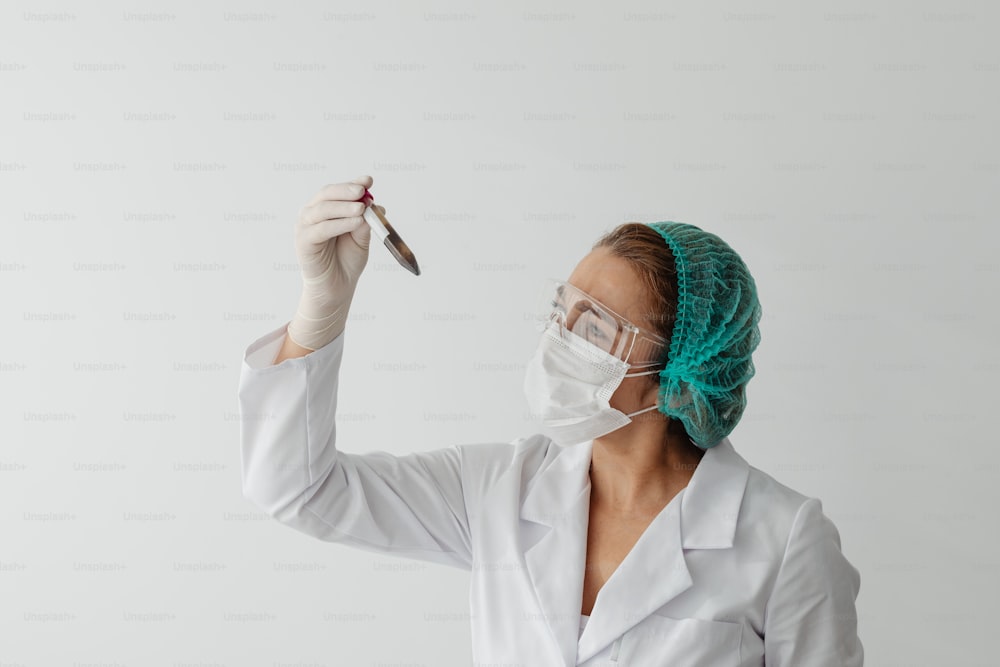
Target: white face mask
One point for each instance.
(569, 381)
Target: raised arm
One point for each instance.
(413, 506)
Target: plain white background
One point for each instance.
(154, 158)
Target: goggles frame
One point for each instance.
(621, 336)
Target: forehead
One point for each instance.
(612, 281)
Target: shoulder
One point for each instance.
(765, 491)
(771, 506)
(784, 514)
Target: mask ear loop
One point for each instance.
(633, 375)
(650, 408)
(639, 412)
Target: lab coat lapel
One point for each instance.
(702, 516)
(557, 507)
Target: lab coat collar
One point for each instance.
(702, 516)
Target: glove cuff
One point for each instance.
(312, 332)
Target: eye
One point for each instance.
(590, 326)
(594, 331)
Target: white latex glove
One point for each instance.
(331, 243)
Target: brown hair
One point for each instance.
(650, 257)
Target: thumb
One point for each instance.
(362, 235)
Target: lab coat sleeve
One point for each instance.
(411, 506)
(810, 618)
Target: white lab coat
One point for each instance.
(737, 569)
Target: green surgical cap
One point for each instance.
(715, 333)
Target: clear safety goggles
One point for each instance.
(588, 318)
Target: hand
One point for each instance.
(331, 243)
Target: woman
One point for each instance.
(629, 532)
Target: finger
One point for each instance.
(323, 231)
(340, 192)
(331, 210)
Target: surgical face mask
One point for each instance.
(569, 382)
